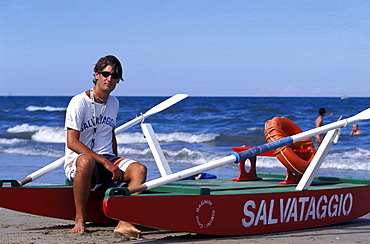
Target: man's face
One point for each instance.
(107, 79)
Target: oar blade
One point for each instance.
(165, 104)
(156, 109)
(364, 115)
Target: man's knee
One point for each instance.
(140, 169)
(136, 169)
(85, 162)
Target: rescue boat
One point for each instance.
(252, 203)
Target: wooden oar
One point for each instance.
(236, 157)
(156, 109)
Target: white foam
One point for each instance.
(192, 156)
(254, 128)
(23, 128)
(186, 137)
(127, 138)
(57, 135)
(130, 138)
(182, 156)
(33, 152)
(12, 141)
(357, 159)
(133, 151)
(50, 134)
(268, 162)
(46, 108)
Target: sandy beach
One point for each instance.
(18, 227)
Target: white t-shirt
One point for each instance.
(79, 117)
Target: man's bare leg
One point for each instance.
(81, 190)
(136, 175)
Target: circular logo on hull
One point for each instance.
(205, 214)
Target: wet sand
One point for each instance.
(16, 227)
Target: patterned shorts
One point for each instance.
(102, 176)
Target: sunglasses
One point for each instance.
(106, 74)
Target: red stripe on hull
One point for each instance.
(243, 214)
(55, 202)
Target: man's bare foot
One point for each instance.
(79, 228)
(126, 229)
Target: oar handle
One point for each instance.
(263, 148)
(140, 188)
(26, 180)
(37, 174)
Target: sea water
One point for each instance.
(194, 131)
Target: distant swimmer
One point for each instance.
(355, 130)
(320, 122)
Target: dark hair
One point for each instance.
(322, 111)
(108, 60)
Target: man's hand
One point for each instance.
(116, 171)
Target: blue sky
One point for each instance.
(203, 48)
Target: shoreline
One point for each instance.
(17, 227)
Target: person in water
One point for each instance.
(91, 156)
(355, 130)
(320, 122)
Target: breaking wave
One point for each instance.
(46, 108)
(54, 134)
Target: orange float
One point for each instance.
(295, 157)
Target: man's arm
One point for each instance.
(114, 143)
(74, 143)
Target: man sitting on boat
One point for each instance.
(91, 147)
